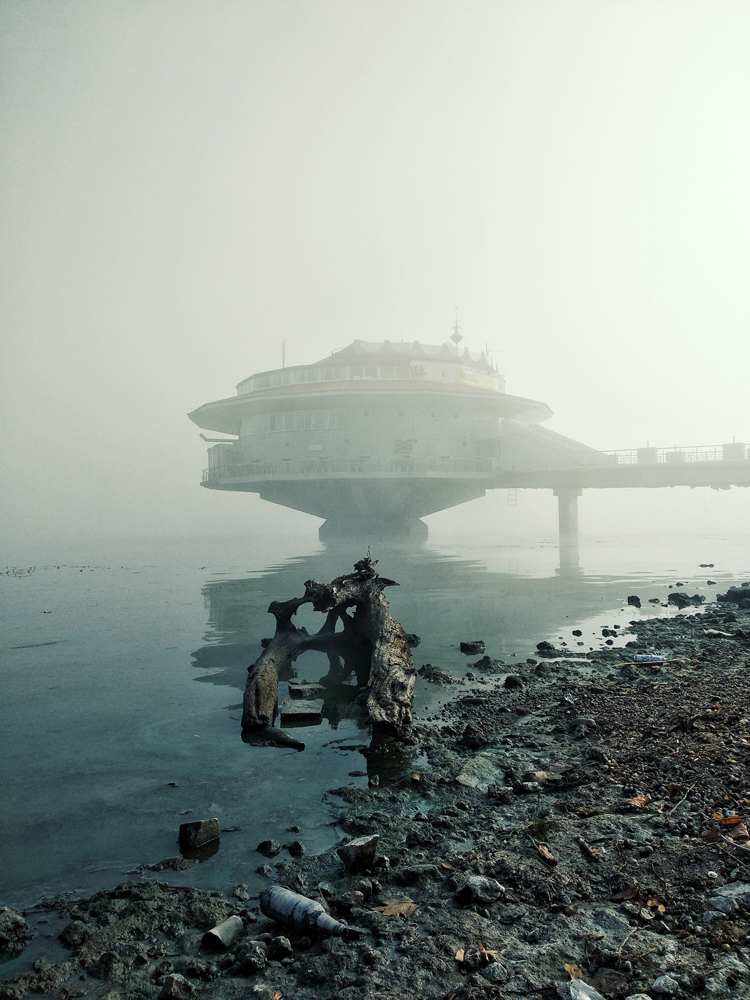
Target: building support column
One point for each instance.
(567, 507)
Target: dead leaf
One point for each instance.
(712, 837)
(738, 832)
(415, 777)
(404, 907)
(459, 956)
(626, 894)
(444, 864)
(573, 970)
(637, 800)
(486, 953)
(276, 996)
(546, 855)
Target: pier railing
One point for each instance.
(734, 452)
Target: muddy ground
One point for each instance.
(578, 823)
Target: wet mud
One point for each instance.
(573, 826)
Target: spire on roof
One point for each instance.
(456, 336)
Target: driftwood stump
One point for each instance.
(357, 602)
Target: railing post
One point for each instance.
(567, 509)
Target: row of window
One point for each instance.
(307, 420)
(291, 376)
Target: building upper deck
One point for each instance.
(363, 361)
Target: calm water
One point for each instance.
(123, 668)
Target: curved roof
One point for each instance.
(225, 415)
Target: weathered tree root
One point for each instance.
(370, 628)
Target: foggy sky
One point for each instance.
(186, 184)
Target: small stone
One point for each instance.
(666, 986)
(269, 848)
(359, 853)
(196, 834)
(478, 889)
(176, 987)
(279, 949)
(513, 681)
(296, 848)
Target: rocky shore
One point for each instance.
(569, 827)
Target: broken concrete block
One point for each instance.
(195, 835)
(359, 853)
(224, 934)
(301, 711)
(301, 691)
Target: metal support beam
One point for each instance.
(567, 507)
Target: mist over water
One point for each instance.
(193, 193)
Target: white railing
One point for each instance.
(735, 452)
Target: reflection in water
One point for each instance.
(441, 598)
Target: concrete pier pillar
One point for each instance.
(567, 507)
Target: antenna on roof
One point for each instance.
(456, 336)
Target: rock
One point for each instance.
(74, 934)
(513, 681)
(666, 986)
(576, 989)
(279, 949)
(224, 934)
(584, 722)
(479, 771)
(253, 958)
(501, 793)
(634, 601)
(270, 848)
(108, 966)
(638, 996)
(472, 737)
(15, 933)
(488, 665)
(296, 848)
(305, 692)
(176, 987)
(195, 835)
(301, 711)
(412, 640)
(359, 853)
(472, 648)
(435, 675)
(478, 889)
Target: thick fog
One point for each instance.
(186, 185)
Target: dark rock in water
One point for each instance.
(476, 646)
(270, 848)
(654, 600)
(74, 934)
(680, 598)
(296, 848)
(711, 583)
(435, 675)
(176, 864)
(359, 853)
(513, 681)
(577, 631)
(735, 595)
(280, 948)
(176, 987)
(195, 835)
(412, 640)
(634, 600)
(707, 565)
(14, 931)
